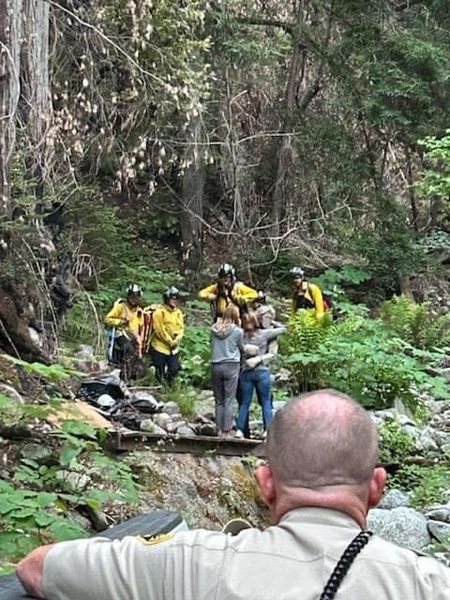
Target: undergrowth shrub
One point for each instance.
(427, 486)
(357, 356)
(35, 507)
(415, 323)
(395, 443)
(195, 354)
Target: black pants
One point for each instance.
(125, 355)
(166, 366)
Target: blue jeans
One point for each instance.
(251, 380)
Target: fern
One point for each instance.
(415, 324)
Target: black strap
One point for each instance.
(344, 564)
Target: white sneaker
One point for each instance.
(238, 434)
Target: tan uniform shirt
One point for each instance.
(291, 561)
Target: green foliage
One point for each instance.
(29, 519)
(54, 373)
(427, 485)
(389, 252)
(195, 356)
(436, 180)
(94, 225)
(357, 356)
(35, 508)
(184, 396)
(15, 413)
(415, 323)
(396, 444)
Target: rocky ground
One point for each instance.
(209, 490)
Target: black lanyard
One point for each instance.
(344, 564)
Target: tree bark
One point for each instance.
(191, 212)
(10, 40)
(35, 88)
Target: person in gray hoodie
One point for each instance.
(226, 339)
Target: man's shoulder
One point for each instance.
(417, 564)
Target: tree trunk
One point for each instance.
(10, 39)
(191, 213)
(34, 77)
(285, 157)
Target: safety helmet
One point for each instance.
(133, 288)
(171, 292)
(297, 272)
(225, 269)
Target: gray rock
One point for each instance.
(41, 454)
(403, 526)
(439, 513)
(77, 481)
(171, 408)
(84, 522)
(185, 430)
(394, 499)
(173, 426)
(151, 427)
(445, 373)
(162, 420)
(440, 532)
(442, 438)
(98, 519)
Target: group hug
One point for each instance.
(243, 341)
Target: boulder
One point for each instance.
(151, 427)
(162, 419)
(171, 408)
(37, 452)
(185, 430)
(394, 499)
(403, 526)
(440, 532)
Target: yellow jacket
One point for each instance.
(126, 318)
(312, 294)
(168, 329)
(127, 321)
(240, 293)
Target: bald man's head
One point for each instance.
(322, 439)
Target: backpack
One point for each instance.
(147, 329)
(327, 301)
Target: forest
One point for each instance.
(148, 141)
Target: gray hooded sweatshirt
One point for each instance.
(225, 342)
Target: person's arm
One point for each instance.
(244, 294)
(115, 317)
(180, 330)
(274, 332)
(96, 568)
(160, 329)
(208, 293)
(30, 571)
(317, 297)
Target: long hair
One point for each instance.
(231, 314)
(251, 319)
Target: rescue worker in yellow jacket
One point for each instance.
(306, 295)
(168, 329)
(227, 290)
(126, 323)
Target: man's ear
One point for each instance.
(377, 486)
(266, 483)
